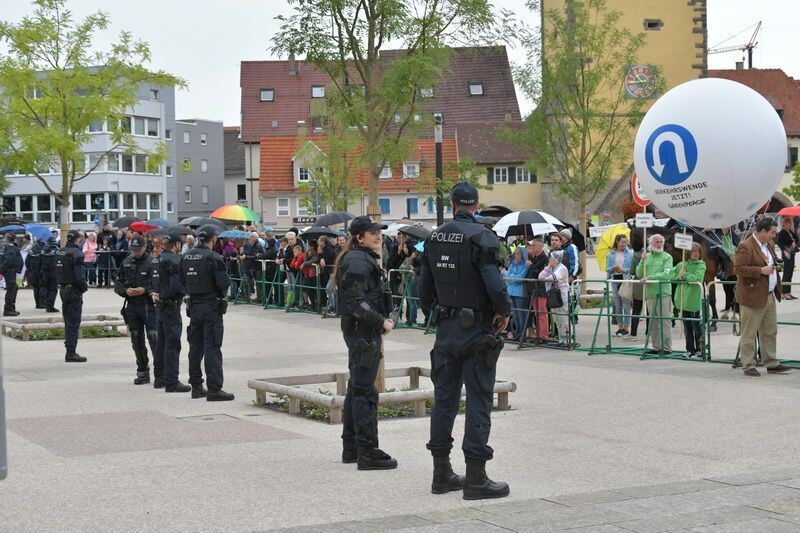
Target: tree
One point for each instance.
(793, 190)
(53, 87)
(379, 94)
(454, 172)
(581, 131)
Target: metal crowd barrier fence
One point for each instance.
(103, 272)
(407, 303)
(540, 325)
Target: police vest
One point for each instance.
(64, 263)
(360, 267)
(451, 255)
(197, 266)
(34, 259)
(48, 258)
(168, 266)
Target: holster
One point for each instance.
(348, 325)
(489, 349)
(220, 305)
(124, 312)
(388, 304)
(366, 352)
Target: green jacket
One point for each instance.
(689, 297)
(659, 266)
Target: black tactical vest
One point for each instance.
(64, 263)
(35, 259)
(48, 258)
(451, 257)
(168, 266)
(197, 266)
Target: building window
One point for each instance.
(501, 174)
(187, 194)
(127, 163)
(426, 92)
(386, 205)
(397, 119)
(138, 126)
(317, 91)
(95, 162)
(792, 157)
(168, 171)
(267, 95)
(204, 193)
(386, 173)
(187, 137)
(412, 206)
(141, 164)
(283, 207)
(168, 134)
(203, 139)
(152, 127)
(96, 126)
(303, 176)
(204, 165)
(411, 171)
(241, 192)
(302, 210)
(317, 123)
(126, 125)
(476, 88)
(113, 162)
(170, 207)
(523, 175)
(653, 24)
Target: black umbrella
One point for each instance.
(124, 222)
(206, 221)
(177, 230)
(416, 231)
(337, 217)
(315, 232)
(189, 221)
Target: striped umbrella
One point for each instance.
(235, 212)
(527, 223)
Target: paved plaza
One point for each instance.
(600, 443)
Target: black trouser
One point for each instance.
(730, 293)
(11, 290)
(205, 342)
(103, 276)
(360, 410)
(693, 331)
(168, 351)
(453, 365)
(636, 311)
(788, 271)
(71, 309)
(142, 321)
(36, 284)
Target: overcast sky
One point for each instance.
(203, 41)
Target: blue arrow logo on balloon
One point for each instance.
(671, 154)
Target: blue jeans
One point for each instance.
(519, 308)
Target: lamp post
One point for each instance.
(437, 135)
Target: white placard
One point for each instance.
(644, 220)
(683, 242)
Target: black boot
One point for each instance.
(219, 395)
(349, 453)
(74, 358)
(479, 487)
(52, 310)
(178, 387)
(375, 459)
(158, 383)
(444, 479)
(142, 378)
(198, 391)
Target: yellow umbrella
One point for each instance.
(606, 242)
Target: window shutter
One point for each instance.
(512, 175)
(490, 175)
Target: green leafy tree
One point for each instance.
(793, 190)
(378, 97)
(581, 131)
(453, 172)
(53, 87)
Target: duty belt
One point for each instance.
(455, 312)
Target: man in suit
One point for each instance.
(758, 293)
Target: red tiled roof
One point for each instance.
(782, 91)
(277, 168)
(292, 103)
(231, 128)
(485, 143)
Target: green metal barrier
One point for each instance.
(406, 300)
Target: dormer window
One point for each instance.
(303, 175)
(317, 91)
(426, 92)
(267, 95)
(476, 88)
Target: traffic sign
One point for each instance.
(638, 194)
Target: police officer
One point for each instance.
(362, 304)
(10, 266)
(71, 278)
(136, 282)
(206, 282)
(168, 299)
(48, 280)
(33, 266)
(460, 273)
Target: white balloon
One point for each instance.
(710, 152)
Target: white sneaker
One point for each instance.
(724, 315)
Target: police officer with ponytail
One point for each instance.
(71, 277)
(203, 274)
(363, 305)
(461, 282)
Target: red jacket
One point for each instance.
(297, 261)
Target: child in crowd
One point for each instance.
(688, 298)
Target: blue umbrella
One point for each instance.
(12, 228)
(38, 231)
(160, 222)
(234, 234)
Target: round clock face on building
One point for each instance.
(640, 81)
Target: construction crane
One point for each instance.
(747, 47)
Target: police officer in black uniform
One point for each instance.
(48, 280)
(71, 278)
(362, 303)
(206, 282)
(461, 277)
(136, 282)
(10, 266)
(168, 299)
(33, 266)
